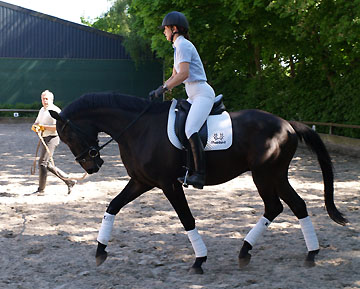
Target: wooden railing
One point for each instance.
(331, 125)
(17, 110)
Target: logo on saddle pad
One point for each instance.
(218, 134)
(218, 139)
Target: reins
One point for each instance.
(127, 127)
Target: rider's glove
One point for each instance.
(158, 92)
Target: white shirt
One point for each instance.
(44, 118)
(185, 51)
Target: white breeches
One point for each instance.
(201, 96)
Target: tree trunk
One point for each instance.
(257, 59)
(292, 67)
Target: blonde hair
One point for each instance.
(49, 94)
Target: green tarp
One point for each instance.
(23, 80)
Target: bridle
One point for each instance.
(90, 150)
(93, 151)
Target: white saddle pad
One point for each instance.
(219, 130)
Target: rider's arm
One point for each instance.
(178, 77)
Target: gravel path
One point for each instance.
(49, 241)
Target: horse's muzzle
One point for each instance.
(96, 165)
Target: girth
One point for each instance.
(182, 110)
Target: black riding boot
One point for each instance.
(63, 176)
(42, 180)
(197, 179)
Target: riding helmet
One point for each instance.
(175, 18)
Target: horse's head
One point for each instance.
(82, 141)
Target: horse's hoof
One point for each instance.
(309, 263)
(244, 261)
(101, 258)
(196, 270)
(310, 258)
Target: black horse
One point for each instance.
(262, 143)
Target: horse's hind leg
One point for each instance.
(298, 207)
(273, 208)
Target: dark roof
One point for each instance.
(25, 33)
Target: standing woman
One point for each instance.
(188, 69)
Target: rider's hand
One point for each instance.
(158, 92)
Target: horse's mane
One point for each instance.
(91, 101)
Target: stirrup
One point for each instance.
(196, 185)
(183, 180)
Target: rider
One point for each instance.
(188, 69)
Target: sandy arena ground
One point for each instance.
(49, 241)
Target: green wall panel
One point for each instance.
(23, 80)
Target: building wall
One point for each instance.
(28, 34)
(39, 52)
(23, 80)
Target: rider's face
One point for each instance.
(168, 32)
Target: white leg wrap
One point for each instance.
(106, 228)
(308, 231)
(197, 243)
(256, 232)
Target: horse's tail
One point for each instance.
(314, 142)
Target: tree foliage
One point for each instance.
(297, 59)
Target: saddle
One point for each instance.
(182, 110)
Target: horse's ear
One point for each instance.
(55, 115)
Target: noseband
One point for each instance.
(92, 150)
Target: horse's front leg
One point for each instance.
(132, 190)
(176, 196)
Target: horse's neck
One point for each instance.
(116, 122)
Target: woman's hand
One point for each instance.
(158, 92)
(37, 128)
